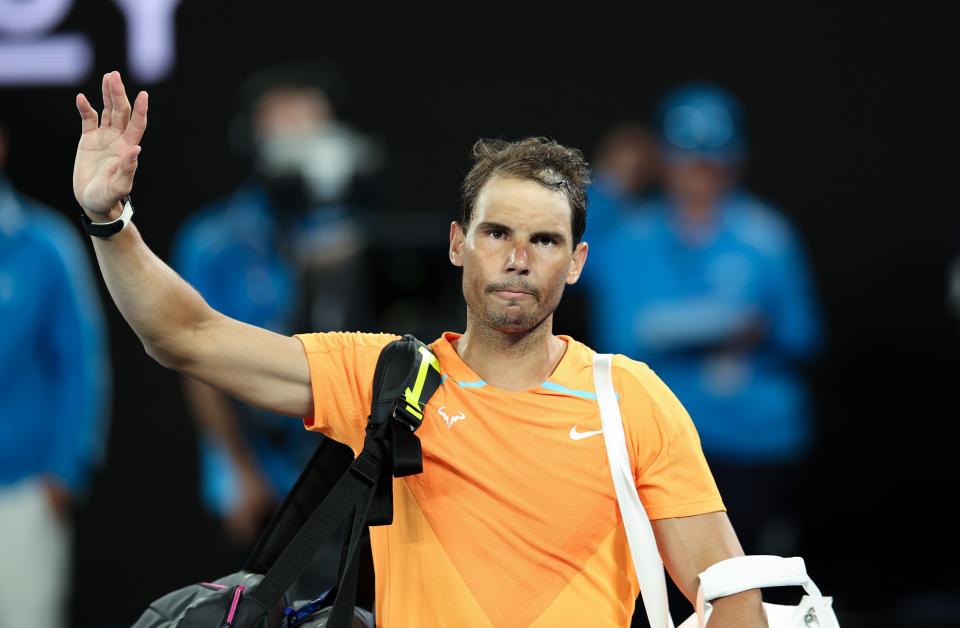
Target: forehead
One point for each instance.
(285, 107)
(522, 204)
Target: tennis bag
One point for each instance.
(406, 376)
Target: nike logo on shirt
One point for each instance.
(575, 435)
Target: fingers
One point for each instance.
(120, 116)
(107, 100)
(119, 172)
(112, 168)
(88, 116)
(125, 166)
(128, 164)
(138, 122)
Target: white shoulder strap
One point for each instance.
(643, 544)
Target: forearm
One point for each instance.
(163, 309)
(694, 327)
(740, 610)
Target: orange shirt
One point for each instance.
(514, 520)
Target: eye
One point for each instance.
(546, 240)
(496, 234)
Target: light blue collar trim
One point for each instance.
(477, 384)
(583, 394)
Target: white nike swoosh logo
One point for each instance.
(575, 435)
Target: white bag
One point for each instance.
(724, 578)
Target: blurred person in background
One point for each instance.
(265, 255)
(626, 168)
(54, 387)
(626, 171)
(709, 285)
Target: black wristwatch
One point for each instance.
(108, 229)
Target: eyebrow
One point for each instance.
(559, 237)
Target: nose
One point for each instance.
(518, 261)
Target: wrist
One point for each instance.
(740, 609)
(745, 598)
(109, 223)
(106, 216)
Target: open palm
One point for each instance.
(108, 150)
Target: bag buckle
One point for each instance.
(408, 414)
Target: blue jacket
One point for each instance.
(678, 306)
(54, 365)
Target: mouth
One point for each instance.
(511, 295)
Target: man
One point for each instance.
(626, 170)
(54, 396)
(262, 255)
(722, 306)
(514, 519)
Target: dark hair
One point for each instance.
(535, 159)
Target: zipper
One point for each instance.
(228, 622)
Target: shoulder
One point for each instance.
(343, 342)
(760, 224)
(643, 222)
(243, 215)
(646, 220)
(634, 379)
(644, 395)
(54, 235)
(631, 378)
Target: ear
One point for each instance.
(457, 239)
(576, 263)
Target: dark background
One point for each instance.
(833, 101)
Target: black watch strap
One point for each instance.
(107, 229)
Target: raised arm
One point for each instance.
(174, 323)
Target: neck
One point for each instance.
(696, 218)
(513, 361)
(697, 209)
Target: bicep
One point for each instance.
(688, 545)
(254, 365)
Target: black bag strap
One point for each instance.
(327, 465)
(342, 501)
(342, 612)
(406, 376)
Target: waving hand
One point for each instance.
(108, 150)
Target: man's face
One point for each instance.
(291, 112)
(516, 254)
(697, 180)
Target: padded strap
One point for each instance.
(643, 544)
(752, 572)
(743, 573)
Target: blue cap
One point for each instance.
(701, 121)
